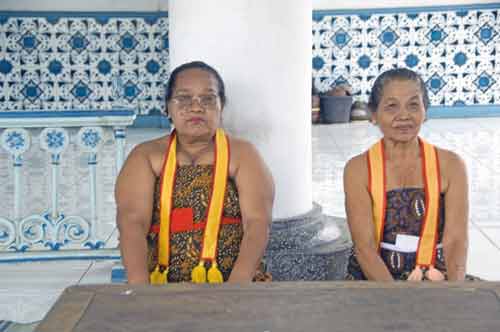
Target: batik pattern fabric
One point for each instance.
(404, 215)
(192, 188)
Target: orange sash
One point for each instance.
(426, 252)
(214, 215)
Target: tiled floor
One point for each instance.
(27, 290)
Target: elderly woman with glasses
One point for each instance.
(194, 205)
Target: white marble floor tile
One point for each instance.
(28, 290)
(488, 123)
(41, 275)
(29, 307)
(483, 258)
(98, 273)
(492, 233)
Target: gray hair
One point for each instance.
(403, 74)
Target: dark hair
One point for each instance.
(403, 74)
(195, 65)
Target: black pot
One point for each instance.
(335, 109)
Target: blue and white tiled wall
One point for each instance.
(455, 49)
(60, 61)
(67, 61)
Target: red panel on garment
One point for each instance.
(182, 221)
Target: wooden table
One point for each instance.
(298, 306)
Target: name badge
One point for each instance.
(407, 243)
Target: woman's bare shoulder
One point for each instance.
(357, 164)
(152, 151)
(239, 144)
(242, 149)
(245, 155)
(448, 157)
(451, 166)
(356, 172)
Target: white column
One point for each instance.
(94, 222)
(262, 49)
(18, 163)
(120, 136)
(55, 164)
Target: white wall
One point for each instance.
(156, 5)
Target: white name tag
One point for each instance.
(407, 243)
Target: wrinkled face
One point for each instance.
(401, 110)
(195, 106)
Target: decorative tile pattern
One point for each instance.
(61, 62)
(16, 141)
(90, 139)
(102, 60)
(54, 140)
(456, 50)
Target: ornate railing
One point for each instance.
(52, 229)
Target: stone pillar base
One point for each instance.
(312, 246)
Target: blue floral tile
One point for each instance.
(54, 61)
(454, 49)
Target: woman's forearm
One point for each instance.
(455, 259)
(373, 266)
(133, 247)
(252, 249)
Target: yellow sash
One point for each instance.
(215, 209)
(426, 253)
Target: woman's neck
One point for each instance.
(401, 151)
(193, 149)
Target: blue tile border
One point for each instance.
(320, 13)
(57, 259)
(469, 111)
(61, 255)
(108, 14)
(63, 114)
(151, 121)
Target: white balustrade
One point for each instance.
(53, 229)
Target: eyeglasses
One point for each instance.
(186, 101)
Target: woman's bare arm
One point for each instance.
(134, 201)
(359, 217)
(455, 237)
(256, 194)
